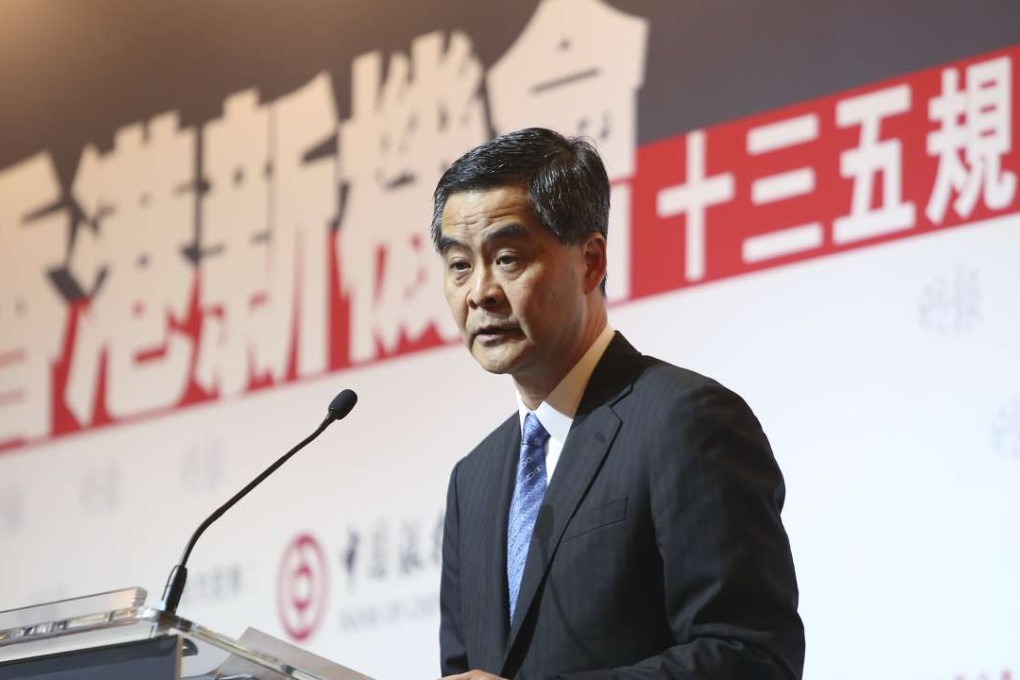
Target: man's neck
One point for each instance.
(534, 392)
(531, 398)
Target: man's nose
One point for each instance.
(485, 291)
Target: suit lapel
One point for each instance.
(493, 542)
(591, 435)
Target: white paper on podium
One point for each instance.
(295, 656)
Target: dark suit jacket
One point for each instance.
(658, 551)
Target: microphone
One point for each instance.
(338, 408)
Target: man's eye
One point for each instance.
(458, 265)
(505, 260)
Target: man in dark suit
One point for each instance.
(626, 522)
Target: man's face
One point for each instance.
(516, 292)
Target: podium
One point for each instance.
(114, 636)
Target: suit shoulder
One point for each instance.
(664, 386)
(662, 376)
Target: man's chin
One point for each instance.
(496, 360)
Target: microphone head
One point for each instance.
(342, 404)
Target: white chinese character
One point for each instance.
(265, 228)
(873, 157)
(140, 198)
(580, 88)
(783, 186)
(235, 262)
(33, 315)
(401, 136)
(303, 207)
(976, 122)
(693, 200)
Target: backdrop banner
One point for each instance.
(212, 219)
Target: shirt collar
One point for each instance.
(556, 412)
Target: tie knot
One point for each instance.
(534, 434)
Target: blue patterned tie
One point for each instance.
(528, 494)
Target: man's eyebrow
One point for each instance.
(445, 243)
(511, 230)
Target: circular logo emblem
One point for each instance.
(301, 587)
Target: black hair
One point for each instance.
(564, 176)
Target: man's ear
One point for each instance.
(594, 250)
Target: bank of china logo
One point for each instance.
(302, 587)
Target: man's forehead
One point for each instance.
(479, 207)
(475, 203)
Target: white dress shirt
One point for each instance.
(557, 412)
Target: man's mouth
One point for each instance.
(495, 334)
